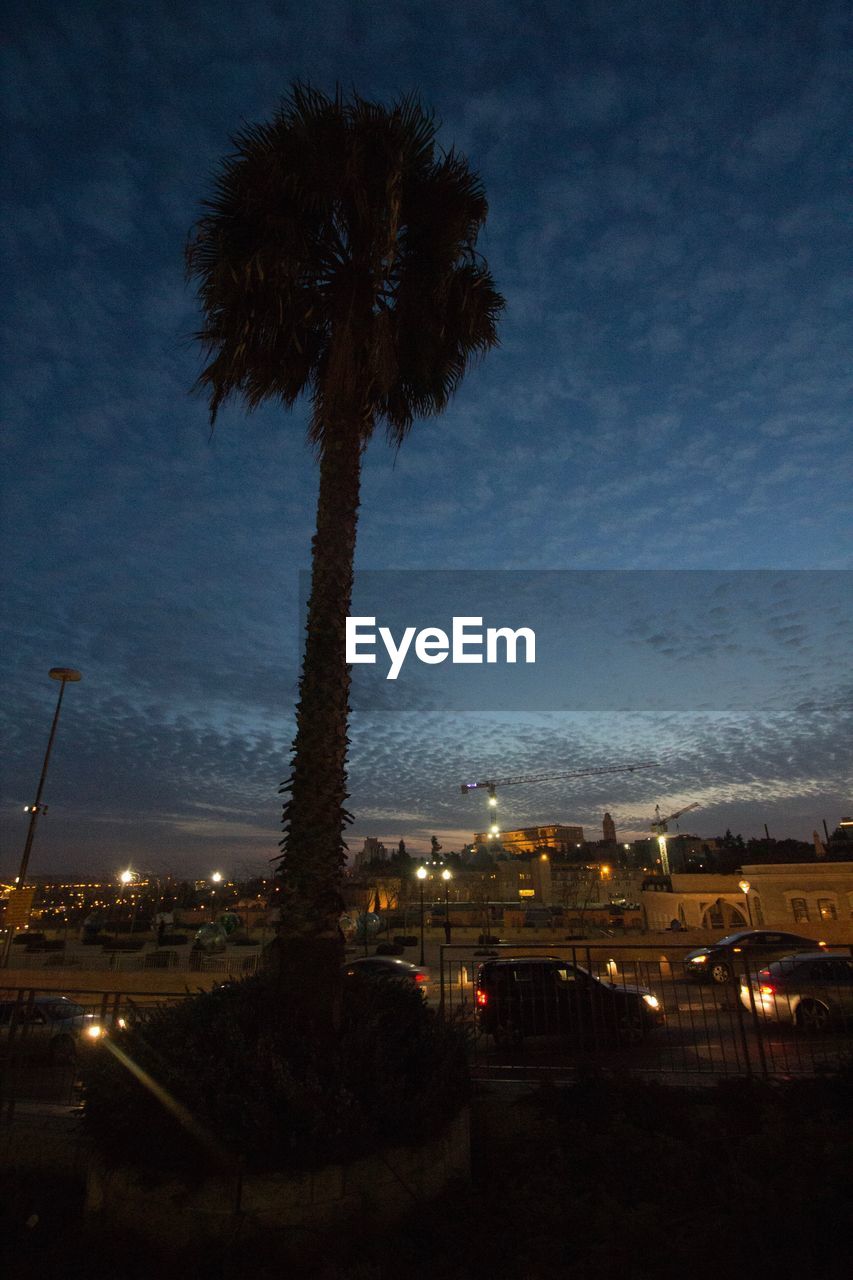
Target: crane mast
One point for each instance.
(660, 828)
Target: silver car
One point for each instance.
(387, 969)
(47, 1026)
(812, 991)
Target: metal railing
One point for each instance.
(709, 1030)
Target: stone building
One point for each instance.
(555, 837)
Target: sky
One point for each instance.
(668, 225)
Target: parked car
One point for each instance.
(543, 995)
(387, 969)
(812, 991)
(52, 1027)
(718, 961)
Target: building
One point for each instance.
(814, 899)
(608, 828)
(525, 879)
(373, 850)
(555, 838)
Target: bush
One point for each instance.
(254, 1066)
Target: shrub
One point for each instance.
(261, 1077)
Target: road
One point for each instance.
(707, 1034)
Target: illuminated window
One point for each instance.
(826, 909)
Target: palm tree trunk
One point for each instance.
(313, 849)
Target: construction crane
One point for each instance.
(491, 785)
(660, 827)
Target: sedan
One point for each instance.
(812, 991)
(387, 969)
(717, 961)
(53, 1027)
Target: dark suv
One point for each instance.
(542, 995)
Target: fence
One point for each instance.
(45, 1034)
(593, 1012)
(597, 1017)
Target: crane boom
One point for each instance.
(659, 824)
(491, 783)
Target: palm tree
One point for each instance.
(336, 259)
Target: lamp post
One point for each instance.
(65, 675)
(127, 878)
(744, 887)
(215, 879)
(421, 873)
(447, 876)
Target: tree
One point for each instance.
(336, 259)
(434, 846)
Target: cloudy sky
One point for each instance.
(668, 225)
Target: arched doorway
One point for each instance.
(723, 915)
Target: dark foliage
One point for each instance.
(601, 1181)
(256, 1077)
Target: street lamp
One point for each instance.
(447, 876)
(127, 878)
(215, 879)
(744, 887)
(421, 873)
(65, 675)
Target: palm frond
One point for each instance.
(335, 257)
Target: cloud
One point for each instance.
(672, 391)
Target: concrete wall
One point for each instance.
(100, 981)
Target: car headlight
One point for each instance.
(652, 1001)
(94, 1031)
(698, 960)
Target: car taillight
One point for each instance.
(766, 989)
(482, 998)
(420, 977)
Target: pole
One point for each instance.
(63, 675)
(422, 921)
